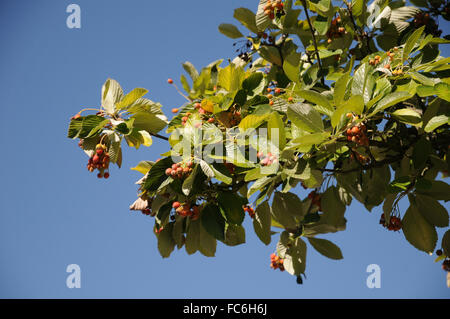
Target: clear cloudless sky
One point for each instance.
(53, 212)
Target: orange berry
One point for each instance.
(170, 81)
(174, 110)
(277, 91)
(271, 102)
(290, 99)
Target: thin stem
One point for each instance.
(314, 40)
(364, 167)
(181, 93)
(159, 136)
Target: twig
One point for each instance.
(314, 40)
(159, 136)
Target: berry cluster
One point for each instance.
(375, 60)
(100, 161)
(315, 199)
(186, 210)
(233, 116)
(249, 210)
(185, 118)
(275, 91)
(357, 134)
(147, 212)
(267, 160)
(336, 30)
(273, 7)
(424, 19)
(395, 223)
(276, 262)
(361, 158)
(179, 170)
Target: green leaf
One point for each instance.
(86, 126)
(234, 235)
(294, 256)
(354, 104)
(276, 130)
(252, 121)
(262, 222)
(191, 70)
(411, 42)
(157, 174)
(208, 243)
(253, 81)
(139, 137)
(390, 100)
(432, 211)
(418, 232)
(130, 98)
(111, 94)
(326, 248)
(291, 66)
(316, 98)
(151, 123)
(362, 82)
(321, 24)
(189, 181)
(332, 205)
(339, 89)
(435, 122)
(221, 174)
(443, 90)
(230, 77)
(185, 83)
(262, 20)
(166, 244)
(284, 207)
(439, 190)
(192, 243)
(407, 116)
(230, 31)
(446, 243)
(143, 167)
(422, 149)
(247, 18)
(305, 117)
(305, 142)
(231, 204)
(270, 54)
(213, 221)
(259, 185)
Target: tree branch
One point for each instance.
(364, 167)
(159, 136)
(314, 40)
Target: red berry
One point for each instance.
(176, 205)
(106, 175)
(99, 175)
(95, 159)
(168, 171)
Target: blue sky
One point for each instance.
(54, 213)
